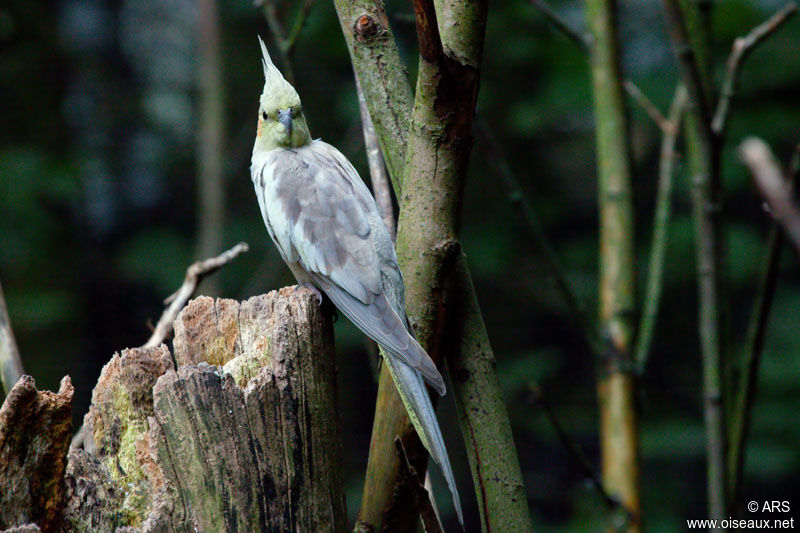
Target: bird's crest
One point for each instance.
(277, 91)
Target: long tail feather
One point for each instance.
(408, 380)
(415, 397)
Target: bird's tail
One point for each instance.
(411, 386)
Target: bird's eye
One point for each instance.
(264, 115)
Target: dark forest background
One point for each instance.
(99, 220)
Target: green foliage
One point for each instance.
(86, 257)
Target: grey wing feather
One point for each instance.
(381, 323)
(321, 212)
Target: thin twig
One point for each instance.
(663, 211)
(194, 275)
(689, 69)
(297, 27)
(574, 450)
(538, 237)
(381, 185)
(429, 489)
(741, 414)
(769, 179)
(704, 155)
(422, 499)
(649, 107)
(175, 302)
(584, 40)
(279, 36)
(742, 47)
(11, 368)
(285, 43)
(748, 378)
(408, 476)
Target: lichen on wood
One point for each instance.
(253, 445)
(264, 454)
(117, 426)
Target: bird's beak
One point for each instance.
(285, 118)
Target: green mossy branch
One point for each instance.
(427, 163)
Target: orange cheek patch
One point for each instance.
(260, 128)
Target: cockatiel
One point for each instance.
(326, 226)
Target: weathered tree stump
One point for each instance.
(250, 442)
(35, 429)
(256, 446)
(113, 485)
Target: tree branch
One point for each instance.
(11, 368)
(742, 406)
(381, 184)
(486, 428)
(574, 449)
(741, 415)
(619, 440)
(583, 40)
(658, 246)
(742, 47)
(703, 147)
(538, 237)
(418, 492)
(649, 107)
(769, 179)
(297, 27)
(211, 130)
(285, 43)
(689, 69)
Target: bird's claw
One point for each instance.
(312, 288)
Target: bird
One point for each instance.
(327, 228)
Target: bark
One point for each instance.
(443, 112)
(252, 444)
(383, 77)
(618, 425)
(116, 429)
(262, 437)
(35, 429)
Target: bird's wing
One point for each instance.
(320, 214)
(322, 217)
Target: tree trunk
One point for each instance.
(248, 443)
(619, 442)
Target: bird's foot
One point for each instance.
(312, 288)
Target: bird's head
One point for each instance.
(281, 123)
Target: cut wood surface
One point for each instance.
(249, 443)
(256, 447)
